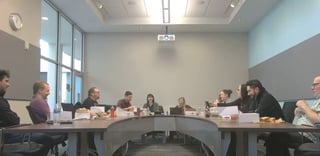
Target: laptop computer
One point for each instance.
(176, 111)
(67, 107)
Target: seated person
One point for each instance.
(10, 118)
(125, 103)
(151, 105)
(91, 100)
(266, 104)
(243, 102)
(93, 96)
(182, 105)
(38, 103)
(307, 115)
(224, 97)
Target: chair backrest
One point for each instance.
(32, 115)
(288, 110)
(161, 109)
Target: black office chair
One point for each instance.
(288, 115)
(288, 110)
(308, 149)
(19, 149)
(56, 138)
(157, 134)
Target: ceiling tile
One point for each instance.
(197, 8)
(135, 8)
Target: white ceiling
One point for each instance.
(131, 15)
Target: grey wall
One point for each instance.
(24, 66)
(290, 74)
(196, 65)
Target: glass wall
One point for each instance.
(66, 41)
(77, 45)
(61, 56)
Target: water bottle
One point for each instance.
(57, 113)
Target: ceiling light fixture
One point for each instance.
(166, 11)
(44, 18)
(166, 37)
(232, 5)
(100, 9)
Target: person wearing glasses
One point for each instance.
(307, 115)
(93, 96)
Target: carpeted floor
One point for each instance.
(151, 146)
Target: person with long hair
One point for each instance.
(182, 105)
(243, 101)
(151, 105)
(224, 97)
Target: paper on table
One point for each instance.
(97, 109)
(223, 111)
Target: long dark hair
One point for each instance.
(227, 91)
(244, 92)
(150, 95)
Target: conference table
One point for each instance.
(112, 133)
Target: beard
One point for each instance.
(2, 93)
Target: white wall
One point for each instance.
(196, 66)
(30, 11)
(20, 108)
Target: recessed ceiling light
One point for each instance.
(45, 18)
(232, 5)
(201, 2)
(131, 3)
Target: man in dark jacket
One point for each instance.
(10, 118)
(93, 96)
(263, 102)
(266, 105)
(7, 116)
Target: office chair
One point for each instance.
(288, 115)
(57, 138)
(22, 148)
(288, 110)
(308, 149)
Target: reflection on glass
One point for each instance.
(49, 29)
(48, 73)
(78, 88)
(66, 85)
(66, 42)
(77, 45)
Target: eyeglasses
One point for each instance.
(315, 84)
